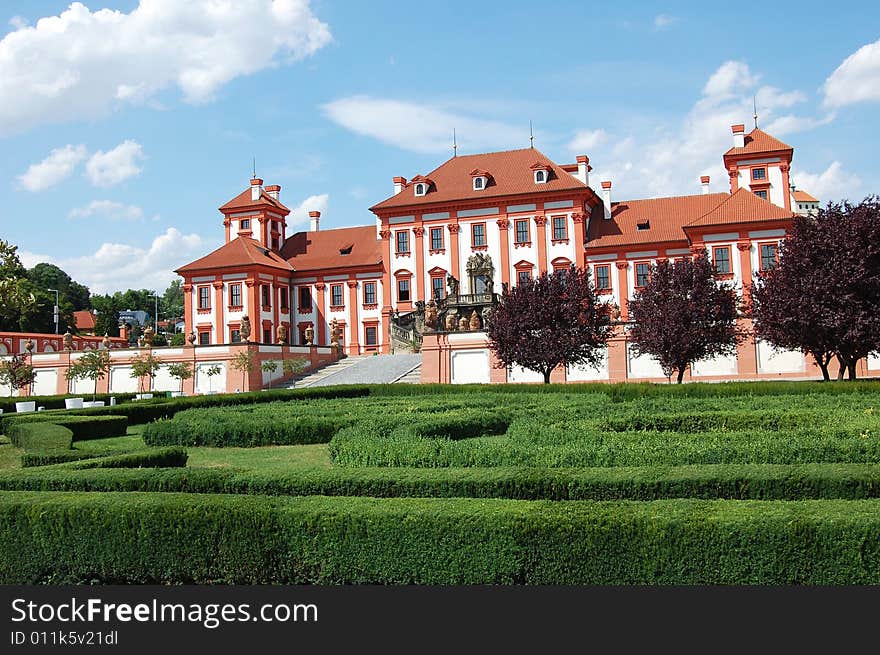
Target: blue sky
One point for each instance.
(121, 133)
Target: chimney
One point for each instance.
(273, 190)
(584, 169)
(256, 188)
(704, 180)
(606, 198)
(739, 135)
(314, 221)
(399, 183)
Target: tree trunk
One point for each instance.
(851, 368)
(681, 374)
(841, 369)
(547, 375)
(824, 368)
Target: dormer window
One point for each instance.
(245, 224)
(480, 179)
(479, 183)
(645, 225)
(421, 189)
(541, 172)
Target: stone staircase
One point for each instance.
(365, 369)
(414, 376)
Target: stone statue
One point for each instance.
(505, 287)
(191, 338)
(105, 341)
(450, 322)
(149, 335)
(244, 330)
(29, 346)
(463, 323)
(310, 335)
(475, 323)
(281, 334)
(452, 284)
(68, 340)
(141, 342)
(431, 315)
(334, 332)
(490, 283)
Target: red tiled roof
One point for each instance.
(667, 218)
(511, 173)
(84, 320)
(742, 207)
(243, 201)
(241, 251)
(308, 251)
(803, 196)
(758, 141)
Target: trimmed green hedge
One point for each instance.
(34, 436)
(219, 428)
(83, 427)
(57, 402)
(750, 481)
(61, 538)
(50, 457)
(169, 457)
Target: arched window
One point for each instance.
(540, 176)
(420, 189)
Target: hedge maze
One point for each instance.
(735, 483)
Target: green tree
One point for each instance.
(211, 372)
(294, 367)
(171, 302)
(17, 293)
(143, 366)
(181, 371)
(93, 365)
(17, 373)
(49, 276)
(244, 361)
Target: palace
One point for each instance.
(454, 237)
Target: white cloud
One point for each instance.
(585, 140)
(857, 79)
(834, 183)
(110, 209)
(300, 213)
(417, 127)
(731, 77)
(105, 169)
(662, 21)
(670, 159)
(18, 22)
(82, 64)
(60, 163)
(118, 266)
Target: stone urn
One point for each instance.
(244, 329)
(475, 323)
(310, 335)
(191, 338)
(67, 340)
(281, 334)
(334, 332)
(463, 323)
(105, 341)
(29, 346)
(450, 322)
(149, 335)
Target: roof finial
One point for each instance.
(531, 135)
(255, 169)
(454, 144)
(755, 105)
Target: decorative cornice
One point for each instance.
(385, 234)
(454, 228)
(217, 285)
(503, 223)
(419, 232)
(352, 284)
(621, 265)
(540, 221)
(578, 217)
(743, 245)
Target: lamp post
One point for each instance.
(56, 308)
(156, 314)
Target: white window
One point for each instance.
(479, 183)
(421, 189)
(540, 177)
